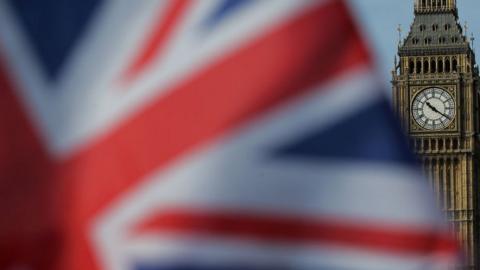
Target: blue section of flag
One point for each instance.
(371, 134)
(53, 27)
(224, 9)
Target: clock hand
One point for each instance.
(437, 111)
(432, 107)
(446, 116)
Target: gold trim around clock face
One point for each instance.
(433, 109)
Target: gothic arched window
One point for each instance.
(433, 66)
(426, 67)
(440, 65)
(411, 67)
(419, 67)
(447, 65)
(454, 65)
(426, 145)
(440, 145)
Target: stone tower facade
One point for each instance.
(436, 97)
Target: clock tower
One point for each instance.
(436, 97)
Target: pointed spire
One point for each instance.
(399, 29)
(472, 40)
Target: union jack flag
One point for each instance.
(222, 134)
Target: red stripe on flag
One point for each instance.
(158, 38)
(30, 210)
(293, 231)
(279, 65)
(275, 68)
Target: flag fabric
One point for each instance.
(222, 134)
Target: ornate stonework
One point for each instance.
(436, 97)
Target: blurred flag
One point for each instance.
(229, 134)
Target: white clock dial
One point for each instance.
(433, 108)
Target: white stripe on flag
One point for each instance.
(212, 251)
(234, 173)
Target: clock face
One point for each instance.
(433, 108)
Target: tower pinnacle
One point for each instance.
(433, 6)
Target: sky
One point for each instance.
(380, 20)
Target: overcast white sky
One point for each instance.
(380, 19)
